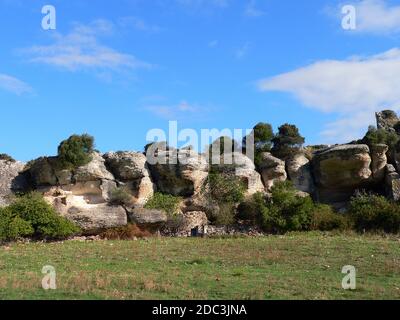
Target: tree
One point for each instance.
(287, 141)
(263, 135)
(75, 151)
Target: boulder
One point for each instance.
(127, 166)
(131, 169)
(245, 169)
(179, 172)
(94, 170)
(340, 170)
(379, 162)
(90, 217)
(392, 183)
(387, 119)
(147, 217)
(192, 221)
(299, 172)
(11, 180)
(272, 170)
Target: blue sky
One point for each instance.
(118, 69)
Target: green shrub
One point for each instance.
(224, 188)
(263, 135)
(375, 213)
(31, 215)
(6, 157)
(380, 136)
(13, 227)
(252, 210)
(160, 201)
(75, 151)
(120, 197)
(326, 219)
(225, 215)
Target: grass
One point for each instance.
(295, 266)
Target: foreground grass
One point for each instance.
(295, 266)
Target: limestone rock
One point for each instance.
(342, 166)
(386, 120)
(10, 180)
(180, 173)
(127, 166)
(272, 170)
(246, 171)
(94, 170)
(392, 182)
(379, 161)
(131, 169)
(299, 172)
(147, 217)
(89, 217)
(340, 170)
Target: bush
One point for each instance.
(128, 232)
(253, 209)
(75, 151)
(120, 197)
(224, 188)
(160, 201)
(225, 216)
(374, 213)
(13, 227)
(31, 215)
(380, 136)
(6, 157)
(325, 219)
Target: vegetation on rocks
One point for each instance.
(6, 157)
(169, 203)
(75, 151)
(31, 215)
(287, 142)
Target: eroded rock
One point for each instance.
(272, 170)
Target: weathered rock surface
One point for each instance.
(180, 173)
(299, 172)
(387, 119)
(379, 162)
(148, 217)
(91, 217)
(131, 169)
(392, 183)
(10, 180)
(340, 170)
(272, 170)
(244, 168)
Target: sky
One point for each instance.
(118, 69)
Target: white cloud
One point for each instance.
(80, 50)
(252, 11)
(138, 24)
(14, 85)
(376, 16)
(354, 89)
(173, 112)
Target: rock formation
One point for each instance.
(272, 170)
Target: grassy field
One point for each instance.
(295, 266)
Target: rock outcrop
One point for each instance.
(392, 183)
(340, 170)
(148, 218)
(386, 120)
(11, 180)
(131, 170)
(379, 162)
(244, 168)
(299, 172)
(272, 170)
(179, 172)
